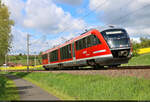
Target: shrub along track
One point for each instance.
(136, 71)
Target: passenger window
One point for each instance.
(44, 56)
(54, 56)
(89, 41)
(65, 52)
(86, 42)
(95, 40)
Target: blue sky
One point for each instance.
(51, 22)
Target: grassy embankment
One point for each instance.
(90, 87)
(8, 89)
(139, 60)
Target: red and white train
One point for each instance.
(109, 46)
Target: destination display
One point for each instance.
(114, 32)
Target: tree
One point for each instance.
(5, 31)
(135, 47)
(145, 42)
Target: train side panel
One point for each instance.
(96, 50)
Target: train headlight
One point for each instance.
(111, 43)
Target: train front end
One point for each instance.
(119, 43)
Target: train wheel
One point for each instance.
(91, 62)
(97, 66)
(75, 68)
(60, 66)
(114, 66)
(46, 68)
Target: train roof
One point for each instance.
(68, 42)
(103, 28)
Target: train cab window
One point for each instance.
(65, 52)
(44, 56)
(54, 56)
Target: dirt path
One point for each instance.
(29, 91)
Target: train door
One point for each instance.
(73, 51)
(88, 46)
(97, 47)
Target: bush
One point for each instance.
(2, 85)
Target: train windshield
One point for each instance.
(116, 38)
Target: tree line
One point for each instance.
(22, 59)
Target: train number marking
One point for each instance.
(84, 52)
(99, 51)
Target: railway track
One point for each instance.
(136, 71)
(86, 69)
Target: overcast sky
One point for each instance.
(51, 22)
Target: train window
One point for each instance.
(84, 45)
(44, 56)
(92, 40)
(49, 55)
(86, 42)
(89, 41)
(65, 52)
(54, 56)
(95, 40)
(79, 44)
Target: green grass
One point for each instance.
(91, 87)
(139, 60)
(8, 89)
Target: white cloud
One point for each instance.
(71, 2)
(136, 39)
(49, 18)
(132, 14)
(43, 16)
(16, 9)
(19, 43)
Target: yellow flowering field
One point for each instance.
(144, 50)
(20, 67)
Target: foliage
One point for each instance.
(7, 89)
(135, 47)
(139, 60)
(144, 43)
(2, 85)
(91, 87)
(22, 59)
(5, 29)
